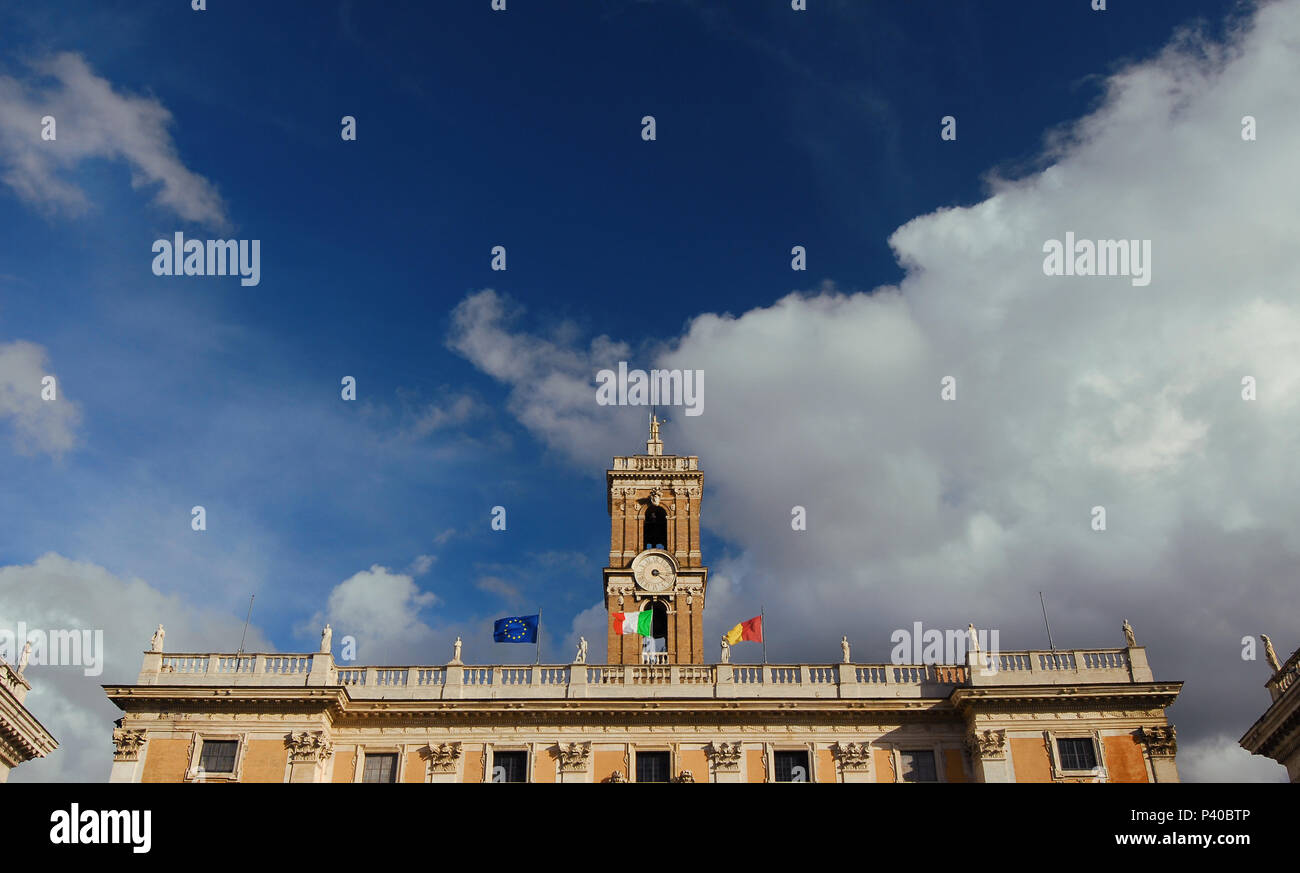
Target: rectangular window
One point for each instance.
(509, 766)
(218, 756)
(380, 768)
(918, 766)
(1077, 753)
(651, 766)
(791, 766)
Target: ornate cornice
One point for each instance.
(191, 700)
(24, 736)
(1056, 698)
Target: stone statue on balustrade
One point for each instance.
(844, 648)
(156, 644)
(326, 640)
(1270, 653)
(726, 650)
(581, 657)
(455, 651)
(1129, 638)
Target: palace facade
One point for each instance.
(653, 712)
(22, 736)
(1276, 734)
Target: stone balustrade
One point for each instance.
(1285, 677)
(11, 679)
(512, 681)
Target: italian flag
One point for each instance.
(633, 622)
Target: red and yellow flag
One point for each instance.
(746, 632)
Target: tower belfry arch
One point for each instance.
(654, 553)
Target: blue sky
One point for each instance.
(520, 129)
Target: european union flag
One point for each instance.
(516, 629)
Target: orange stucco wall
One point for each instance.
(544, 766)
(696, 761)
(754, 764)
(165, 760)
(474, 765)
(825, 765)
(264, 761)
(884, 765)
(344, 762)
(1029, 757)
(1124, 761)
(606, 763)
(414, 769)
(955, 770)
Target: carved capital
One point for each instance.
(443, 757)
(574, 757)
(725, 756)
(127, 744)
(989, 745)
(308, 746)
(853, 756)
(621, 587)
(1160, 741)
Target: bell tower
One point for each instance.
(654, 555)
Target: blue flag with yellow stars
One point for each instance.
(516, 629)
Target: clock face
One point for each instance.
(653, 571)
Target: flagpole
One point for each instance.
(762, 622)
(538, 659)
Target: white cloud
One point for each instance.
(1071, 393)
(56, 593)
(508, 592)
(433, 417)
(392, 621)
(92, 121)
(1222, 759)
(381, 610)
(38, 425)
(549, 380)
(589, 623)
